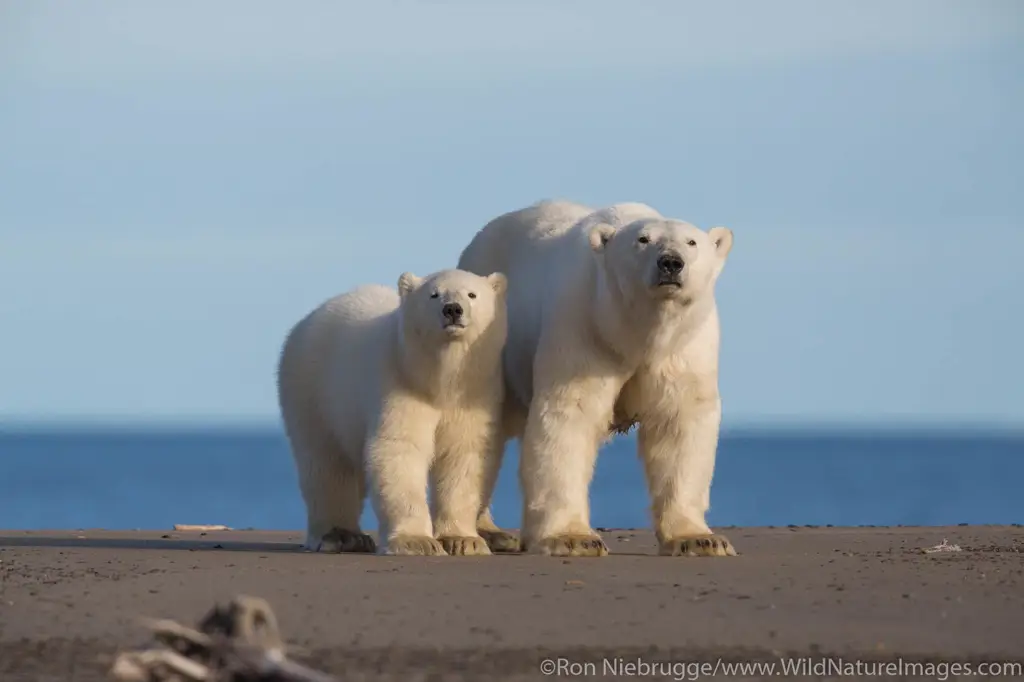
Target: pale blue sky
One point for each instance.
(181, 181)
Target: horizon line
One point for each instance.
(14, 426)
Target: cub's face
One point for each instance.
(662, 259)
(452, 304)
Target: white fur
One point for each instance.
(378, 397)
(592, 342)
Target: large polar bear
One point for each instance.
(382, 391)
(612, 322)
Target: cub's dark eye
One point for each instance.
(644, 239)
(434, 295)
(692, 243)
(472, 295)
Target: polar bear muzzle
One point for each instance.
(670, 269)
(453, 315)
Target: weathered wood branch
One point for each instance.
(237, 643)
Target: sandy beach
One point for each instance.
(69, 600)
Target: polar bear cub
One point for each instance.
(612, 323)
(385, 393)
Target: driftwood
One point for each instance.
(236, 643)
(199, 526)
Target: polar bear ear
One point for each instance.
(498, 282)
(600, 235)
(407, 282)
(721, 237)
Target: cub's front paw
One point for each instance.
(464, 545)
(697, 545)
(500, 542)
(340, 540)
(414, 545)
(570, 544)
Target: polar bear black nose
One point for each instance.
(452, 311)
(670, 264)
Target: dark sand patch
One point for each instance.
(69, 600)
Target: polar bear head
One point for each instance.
(661, 259)
(453, 305)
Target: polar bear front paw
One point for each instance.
(415, 545)
(571, 544)
(501, 542)
(339, 540)
(464, 545)
(697, 545)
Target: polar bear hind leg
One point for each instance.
(498, 540)
(513, 425)
(334, 492)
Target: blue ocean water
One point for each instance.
(151, 479)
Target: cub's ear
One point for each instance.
(498, 282)
(721, 237)
(600, 235)
(407, 282)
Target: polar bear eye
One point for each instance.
(472, 295)
(692, 243)
(434, 295)
(644, 239)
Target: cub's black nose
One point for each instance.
(670, 264)
(452, 311)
